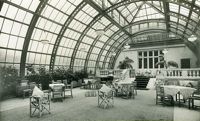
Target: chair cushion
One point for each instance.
(37, 92)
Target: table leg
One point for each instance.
(179, 99)
(189, 102)
(192, 103)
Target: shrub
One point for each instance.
(8, 81)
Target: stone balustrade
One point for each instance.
(116, 73)
(192, 73)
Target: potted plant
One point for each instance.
(59, 73)
(80, 75)
(32, 75)
(166, 64)
(8, 81)
(44, 77)
(125, 64)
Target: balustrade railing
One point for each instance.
(179, 73)
(116, 73)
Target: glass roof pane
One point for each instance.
(11, 13)
(10, 55)
(20, 43)
(99, 44)
(14, 23)
(184, 11)
(26, 3)
(68, 8)
(16, 28)
(103, 38)
(195, 17)
(7, 26)
(93, 57)
(4, 9)
(172, 18)
(173, 7)
(28, 18)
(3, 55)
(90, 11)
(182, 22)
(20, 15)
(180, 27)
(23, 30)
(4, 40)
(83, 17)
(88, 40)
(12, 42)
(34, 4)
(96, 50)
(197, 2)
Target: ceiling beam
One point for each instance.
(119, 13)
(166, 11)
(1, 5)
(137, 12)
(154, 7)
(189, 16)
(102, 12)
(29, 34)
(61, 33)
(93, 46)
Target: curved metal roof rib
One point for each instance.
(70, 26)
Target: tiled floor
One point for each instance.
(85, 108)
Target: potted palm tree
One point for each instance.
(125, 64)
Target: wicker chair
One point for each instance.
(161, 98)
(68, 88)
(39, 104)
(195, 96)
(57, 92)
(105, 97)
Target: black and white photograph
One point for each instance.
(99, 60)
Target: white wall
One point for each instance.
(175, 53)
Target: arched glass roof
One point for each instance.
(70, 26)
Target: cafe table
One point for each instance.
(173, 90)
(125, 88)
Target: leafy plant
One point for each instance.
(81, 74)
(59, 73)
(167, 64)
(172, 63)
(8, 80)
(42, 76)
(126, 63)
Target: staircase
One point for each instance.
(142, 82)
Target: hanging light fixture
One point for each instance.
(192, 38)
(100, 31)
(44, 39)
(83, 50)
(165, 51)
(126, 46)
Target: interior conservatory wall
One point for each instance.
(175, 53)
